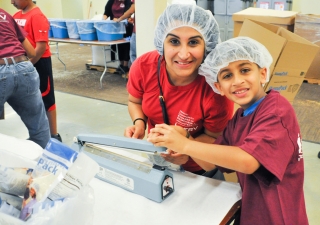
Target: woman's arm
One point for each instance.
(127, 13)
(135, 111)
(108, 9)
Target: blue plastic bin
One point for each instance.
(86, 30)
(72, 28)
(59, 28)
(109, 30)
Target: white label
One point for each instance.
(116, 178)
(279, 6)
(264, 5)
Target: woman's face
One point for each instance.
(183, 52)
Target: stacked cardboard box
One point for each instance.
(292, 55)
(284, 19)
(308, 26)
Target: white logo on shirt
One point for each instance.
(3, 16)
(21, 22)
(186, 121)
(300, 147)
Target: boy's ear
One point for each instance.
(263, 75)
(218, 86)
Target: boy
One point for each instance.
(36, 25)
(262, 142)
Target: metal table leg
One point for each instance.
(57, 53)
(105, 66)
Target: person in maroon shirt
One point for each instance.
(262, 142)
(115, 9)
(19, 80)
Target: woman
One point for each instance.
(115, 9)
(183, 36)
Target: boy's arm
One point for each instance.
(230, 157)
(40, 49)
(207, 137)
(28, 48)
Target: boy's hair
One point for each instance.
(235, 49)
(187, 15)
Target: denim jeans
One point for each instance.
(133, 49)
(19, 86)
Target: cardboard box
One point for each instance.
(292, 55)
(287, 86)
(308, 27)
(283, 19)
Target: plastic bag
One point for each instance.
(77, 210)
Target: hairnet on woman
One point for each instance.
(184, 34)
(187, 15)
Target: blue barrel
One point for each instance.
(59, 28)
(86, 30)
(72, 28)
(109, 30)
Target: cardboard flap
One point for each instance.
(265, 34)
(294, 37)
(266, 15)
(297, 55)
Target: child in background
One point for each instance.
(262, 142)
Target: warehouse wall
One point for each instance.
(148, 12)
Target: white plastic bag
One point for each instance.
(77, 210)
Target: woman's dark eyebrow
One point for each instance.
(198, 36)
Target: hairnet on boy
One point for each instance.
(235, 49)
(187, 15)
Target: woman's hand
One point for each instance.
(134, 131)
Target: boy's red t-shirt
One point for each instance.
(36, 25)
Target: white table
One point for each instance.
(105, 44)
(196, 200)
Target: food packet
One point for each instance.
(13, 200)
(14, 180)
(8, 209)
(51, 168)
(78, 176)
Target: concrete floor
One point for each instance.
(84, 115)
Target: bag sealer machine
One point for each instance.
(151, 181)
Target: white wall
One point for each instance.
(147, 12)
(147, 15)
(306, 6)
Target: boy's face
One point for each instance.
(241, 82)
(20, 4)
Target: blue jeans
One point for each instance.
(133, 49)
(19, 86)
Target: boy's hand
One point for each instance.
(171, 137)
(175, 158)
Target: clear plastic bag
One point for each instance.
(77, 210)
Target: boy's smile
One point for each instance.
(241, 81)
